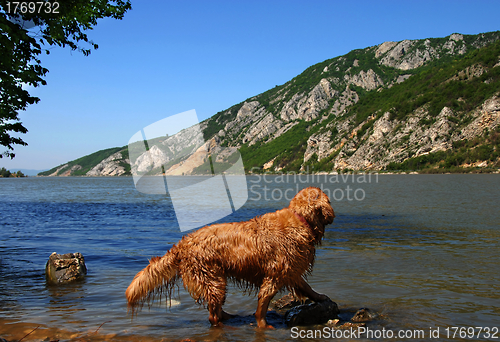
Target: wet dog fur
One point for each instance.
(267, 253)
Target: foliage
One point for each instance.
(4, 173)
(20, 63)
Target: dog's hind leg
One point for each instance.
(215, 294)
(215, 314)
(267, 291)
(304, 289)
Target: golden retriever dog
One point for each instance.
(267, 253)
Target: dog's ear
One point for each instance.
(320, 204)
(327, 210)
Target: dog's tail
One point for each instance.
(157, 278)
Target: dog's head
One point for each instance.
(314, 206)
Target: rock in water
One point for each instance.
(287, 302)
(363, 315)
(314, 313)
(65, 268)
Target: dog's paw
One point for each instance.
(263, 325)
(216, 326)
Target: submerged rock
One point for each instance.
(313, 313)
(327, 312)
(339, 325)
(363, 315)
(65, 268)
(287, 302)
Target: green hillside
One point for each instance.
(433, 86)
(85, 163)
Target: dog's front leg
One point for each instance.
(305, 289)
(267, 291)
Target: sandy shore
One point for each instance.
(14, 331)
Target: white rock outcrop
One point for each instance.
(110, 166)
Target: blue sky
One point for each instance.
(167, 57)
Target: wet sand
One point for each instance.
(11, 331)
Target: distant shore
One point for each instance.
(271, 173)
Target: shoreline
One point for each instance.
(270, 173)
(14, 331)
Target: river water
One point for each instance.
(421, 251)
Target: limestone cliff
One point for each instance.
(110, 166)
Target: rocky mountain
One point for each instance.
(430, 105)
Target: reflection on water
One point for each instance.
(67, 300)
(421, 250)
